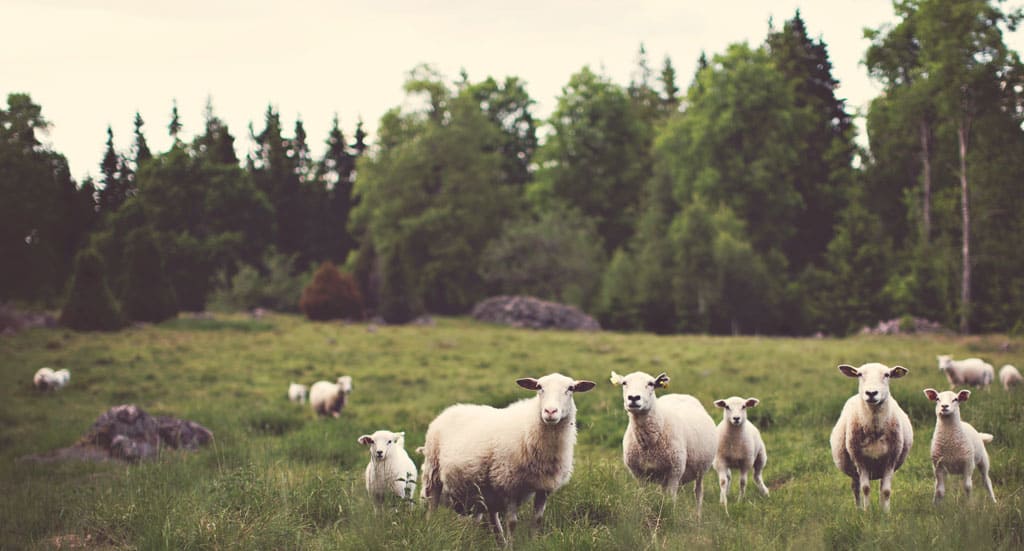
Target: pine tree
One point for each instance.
(174, 127)
(142, 152)
(91, 305)
(148, 294)
(359, 143)
(670, 97)
(216, 145)
(114, 192)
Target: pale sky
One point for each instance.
(90, 63)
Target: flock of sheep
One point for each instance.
(480, 460)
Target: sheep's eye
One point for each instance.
(623, 383)
(886, 375)
(571, 388)
(650, 384)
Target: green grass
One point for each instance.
(278, 478)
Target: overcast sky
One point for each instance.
(94, 63)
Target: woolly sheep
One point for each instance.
(390, 471)
(670, 440)
(972, 371)
(479, 459)
(328, 398)
(956, 446)
(48, 379)
(1009, 376)
(297, 393)
(739, 447)
(61, 378)
(873, 435)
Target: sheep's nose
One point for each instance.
(380, 453)
(945, 407)
(551, 411)
(871, 393)
(736, 419)
(633, 398)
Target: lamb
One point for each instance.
(391, 471)
(1009, 376)
(956, 446)
(972, 371)
(670, 440)
(328, 398)
(739, 447)
(873, 435)
(48, 379)
(484, 460)
(298, 393)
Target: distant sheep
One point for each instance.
(391, 472)
(328, 398)
(670, 440)
(484, 460)
(1010, 377)
(739, 447)
(298, 393)
(873, 436)
(957, 448)
(48, 379)
(972, 371)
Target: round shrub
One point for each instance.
(148, 293)
(331, 295)
(91, 305)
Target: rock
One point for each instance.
(13, 320)
(904, 326)
(533, 313)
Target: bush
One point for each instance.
(91, 305)
(331, 295)
(148, 294)
(275, 287)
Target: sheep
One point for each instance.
(328, 398)
(972, 371)
(48, 379)
(873, 435)
(1009, 376)
(390, 471)
(484, 460)
(61, 378)
(670, 440)
(957, 447)
(298, 393)
(739, 447)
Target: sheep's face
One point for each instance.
(734, 409)
(555, 392)
(945, 362)
(345, 384)
(382, 442)
(947, 403)
(638, 389)
(873, 380)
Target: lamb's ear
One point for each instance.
(849, 370)
(401, 435)
(583, 386)
(661, 381)
(963, 395)
(752, 402)
(898, 371)
(931, 394)
(616, 379)
(720, 403)
(365, 440)
(528, 383)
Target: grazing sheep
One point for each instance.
(479, 459)
(739, 447)
(391, 471)
(48, 379)
(298, 393)
(670, 440)
(957, 447)
(873, 435)
(61, 378)
(972, 371)
(328, 398)
(1009, 376)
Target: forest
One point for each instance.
(740, 202)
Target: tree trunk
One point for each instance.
(965, 282)
(926, 177)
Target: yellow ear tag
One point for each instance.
(664, 384)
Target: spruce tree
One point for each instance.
(113, 193)
(142, 152)
(148, 293)
(91, 305)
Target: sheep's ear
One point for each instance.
(752, 402)
(583, 386)
(720, 403)
(931, 394)
(401, 435)
(661, 381)
(616, 379)
(963, 395)
(528, 383)
(898, 371)
(365, 440)
(849, 370)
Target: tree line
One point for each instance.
(741, 204)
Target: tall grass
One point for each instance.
(278, 478)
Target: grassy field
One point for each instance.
(278, 478)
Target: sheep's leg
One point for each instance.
(759, 463)
(983, 467)
(512, 520)
(540, 501)
(885, 489)
(698, 493)
(855, 485)
(494, 519)
(724, 478)
(968, 483)
(743, 481)
(940, 484)
(865, 488)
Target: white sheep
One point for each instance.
(739, 447)
(873, 435)
(298, 393)
(48, 379)
(61, 378)
(670, 440)
(391, 472)
(972, 371)
(484, 460)
(329, 398)
(956, 446)
(1009, 376)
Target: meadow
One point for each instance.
(279, 478)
